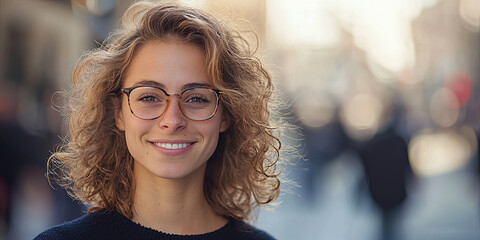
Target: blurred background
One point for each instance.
(385, 95)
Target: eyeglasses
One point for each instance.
(149, 102)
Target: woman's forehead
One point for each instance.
(170, 63)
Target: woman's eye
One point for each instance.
(197, 99)
(148, 99)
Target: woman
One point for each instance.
(170, 132)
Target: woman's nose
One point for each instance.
(172, 119)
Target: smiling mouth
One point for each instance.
(173, 145)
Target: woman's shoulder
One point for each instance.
(246, 231)
(112, 225)
(84, 227)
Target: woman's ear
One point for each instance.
(117, 105)
(226, 121)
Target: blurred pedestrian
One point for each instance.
(386, 164)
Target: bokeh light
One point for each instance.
(438, 152)
(315, 110)
(461, 86)
(442, 110)
(362, 115)
(470, 12)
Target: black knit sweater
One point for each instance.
(112, 225)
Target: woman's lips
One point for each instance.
(172, 148)
(173, 145)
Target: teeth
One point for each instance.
(173, 145)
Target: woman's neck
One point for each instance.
(176, 206)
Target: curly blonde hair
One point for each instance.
(94, 165)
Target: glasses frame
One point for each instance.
(217, 92)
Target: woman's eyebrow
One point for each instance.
(192, 85)
(149, 83)
(161, 85)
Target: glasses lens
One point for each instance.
(147, 102)
(199, 103)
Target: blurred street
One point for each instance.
(443, 207)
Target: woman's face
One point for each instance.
(171, 146)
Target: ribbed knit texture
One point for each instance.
(112, 225)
